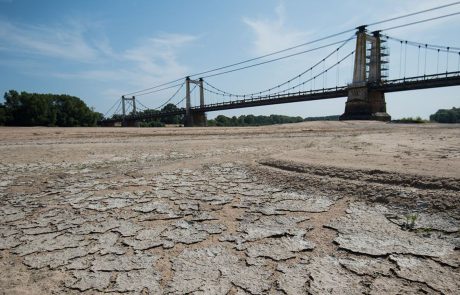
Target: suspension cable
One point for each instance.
(458, 67)
(344, 42)
(139, 102)
(297, 85)
(424, 67)
(276, 59)
(400, 57)
(437, 63)
(158, 90)
(118, 107)
(116, 102)
(405, 59)
(310, 42)
(447, 60)
(191, 91)
(413, 13)
(418, 60)
(420, 21)
(428, 46)
(319, 74)
(167, 101)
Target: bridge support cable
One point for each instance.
(422, 56)
(424, 66)
(437, 63)
(405, 58)
(159, 90)
(421, 21)
(338, 71)
(269, 90)
(458, 66)
(400, 58)
(116, 102)
(325, 73)
(171, 98)
(142, 105)
(418, 61)
(447, 60)
(309, 43)
(319, 74)
(413, 13)
(433, 47)
(287, 92)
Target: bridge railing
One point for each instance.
(424, 77)
(281, 96)
(273, 97)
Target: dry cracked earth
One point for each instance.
(310, 208)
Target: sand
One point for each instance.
(313, 207)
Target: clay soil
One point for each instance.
(309, 208)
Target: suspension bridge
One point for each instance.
(418, 66)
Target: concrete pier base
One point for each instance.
(365, 105)
(131, 124)
(196, 120)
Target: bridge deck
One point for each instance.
(403, 84)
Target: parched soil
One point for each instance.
(309, 208)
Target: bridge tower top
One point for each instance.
(368, 59)
(124, 100)
(188, 102)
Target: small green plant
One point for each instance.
(416, 120)
(410, 221)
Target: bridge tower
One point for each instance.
(363, 103)
(128, 122)
(194, 118)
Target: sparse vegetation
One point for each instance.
(416, 120)
(251, 120)
(410, 221)
(324, 118)
(157, 122)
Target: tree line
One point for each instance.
(446, 116)
(251, 120)
(157, 122)
(34, 109)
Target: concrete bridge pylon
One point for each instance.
(194, 118)
(364, 103)
(125, 122)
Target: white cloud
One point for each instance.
(152, 61)
(67, 43)
(156, 57)
(273, 35)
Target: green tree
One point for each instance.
(222, 120)
(33, 109)
(446, 116)
(3, 115)
(251, 120)
(174, 119)
(152, 122)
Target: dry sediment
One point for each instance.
(202, 217)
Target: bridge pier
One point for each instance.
(130, 123)
(194, 118)
(364, 103)
(125, 122)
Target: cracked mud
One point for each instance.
(219, 218)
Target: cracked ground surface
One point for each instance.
(310, 208)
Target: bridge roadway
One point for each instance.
(403, 84)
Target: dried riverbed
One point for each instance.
(316, 208)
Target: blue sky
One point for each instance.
(100, 49)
